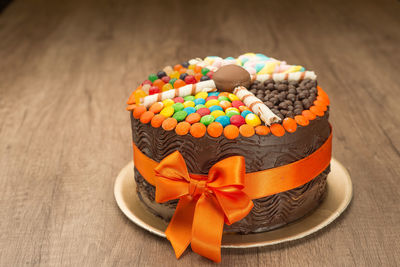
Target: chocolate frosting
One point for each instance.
(260, 153)
(228, 77)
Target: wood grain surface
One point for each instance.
(67, 68)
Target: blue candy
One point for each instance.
(245, 113)
(224, 120)
(199, 101)
(213, 93)
(213, 108)
(190, 110)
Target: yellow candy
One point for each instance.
(175, 75)
(231, 109)
(188, 104)
(252, 119)
(168, 102)
(167, 87)
(269, 68)
(212, 102)
(139, 94)
(167, 111)
(191, 67)
(293, 69)
(217, 113)
(233, 97)
(203, 95)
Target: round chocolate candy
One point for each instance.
(228, 77)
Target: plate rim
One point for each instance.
(335, 214)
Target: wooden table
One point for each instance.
(66, 70)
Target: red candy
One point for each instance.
(147, 82)
(211, 97)
(203, 111)
(190, 79)
(179, 99)
(237, 103)
(165, 79)
(237, 120)
(154, 90)
(210, 74)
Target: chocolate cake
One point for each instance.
(271, 113)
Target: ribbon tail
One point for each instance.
(179, 230)
(208, 224)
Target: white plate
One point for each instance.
(338, 197)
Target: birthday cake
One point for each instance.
(190, 119)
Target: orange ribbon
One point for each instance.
(207, 202)
(203, 201)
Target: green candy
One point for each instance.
(180, 115)
(231, 113)
(204, 71)
(223, 98)
(153, 77)
(178, 106)
(189, 98)
(171, 82)
(207, 119)
(199, 106)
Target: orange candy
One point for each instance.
(159, 83)
(290, 125)
(198, 130)
(182, 70)
(157, 120)
(179, 83)
(243, 108)
(131, 99)
(156, 107)
(323, 95)
(193, 118)
(323, 100)
(169, 124)
(225, 104)
(130, 107)
(231, 131)
(182, 128)
(215, 129)
(197, 76)
(317, 111)
(138, 111)
(146, 117)
(320, 104)
(178, 67)
(277, 130)
(262, 130)
(197, 69)
(246, 130)
(308, 115)
(223, 94)
(301, 120)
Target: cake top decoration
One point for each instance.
(227, 77)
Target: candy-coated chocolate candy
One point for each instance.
(154, 90)
(233, 97)
(193, 118)
(183, 76)
(203, 95)
(204, 78)
(189, 98)
(175, 75)
(178, 106)
(180, 115)
(253, 119)
(217, 113)
(203, 111)
(147, 82)
(211, 97)
(214, 108)
(168, 102)
(232, 109)
(213, 93)
(146, 88)
(138, 95)
(161, 74)
(199, 101)
(225, 104)
(179, 83)
(190, 79)
(204, 71)
(224, 120)
(189, 110)
(207, 119)
(223, 98)
(232, 113)
(199, 106)
(245, 113)
(159, 83)
(212, 102)
(166, 79)
(167, 87)
(237, 120)
(243, 108)
(167, 111)
(179, 99)
(237, 103)
(168, 70)
(152, 77)
(188, 104)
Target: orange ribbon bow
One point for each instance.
(203, 201)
